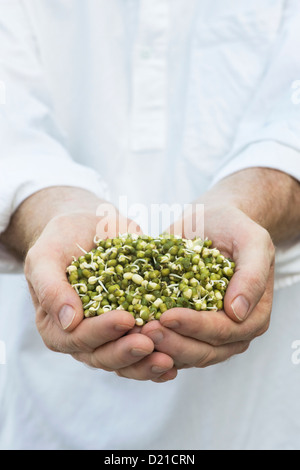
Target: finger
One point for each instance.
(253, 253)
(88, 336)
(50, 288)
(167, 376)
(97, 331)
(189, 352)
(153, 367)
(215, 328)
(118, 354)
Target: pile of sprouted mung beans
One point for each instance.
(148, 275)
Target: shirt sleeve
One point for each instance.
(33, 154)
(269, 132)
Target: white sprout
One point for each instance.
(94, 309)
(176, 275)
(97, 240)
(92, 302)
(190, 252)
(137, 260)
(217, 281)
(85, 252)
(107, 308)
(75, 286)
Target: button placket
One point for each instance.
(149, 77)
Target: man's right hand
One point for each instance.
(100, 342)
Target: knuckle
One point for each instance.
(194, 328)
(272, 248)
(29, 261)
(77, 344)
(47, 292)
(243, 347)
(268, 242)
(255, 328)
(249, 331)
(52, 343)
(256, 283)
(264, 328)
(208, 358)
(97, 363)
(223, 334)
(120, 373)
(83, 358)
(263, 233)
(45, 328)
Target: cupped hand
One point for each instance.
(200, 339)
(100, 342)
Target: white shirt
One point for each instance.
(152, 101)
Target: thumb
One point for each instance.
(254, 258)
(51, 291)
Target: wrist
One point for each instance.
(33, 215)
(267, 196)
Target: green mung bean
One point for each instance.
(147, 276)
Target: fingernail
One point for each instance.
(171, 324)
(138, 352)
(240, 307)
(159, 370)
(122, 328)
(156, 336)
(66, 316)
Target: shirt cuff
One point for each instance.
(265, 154)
